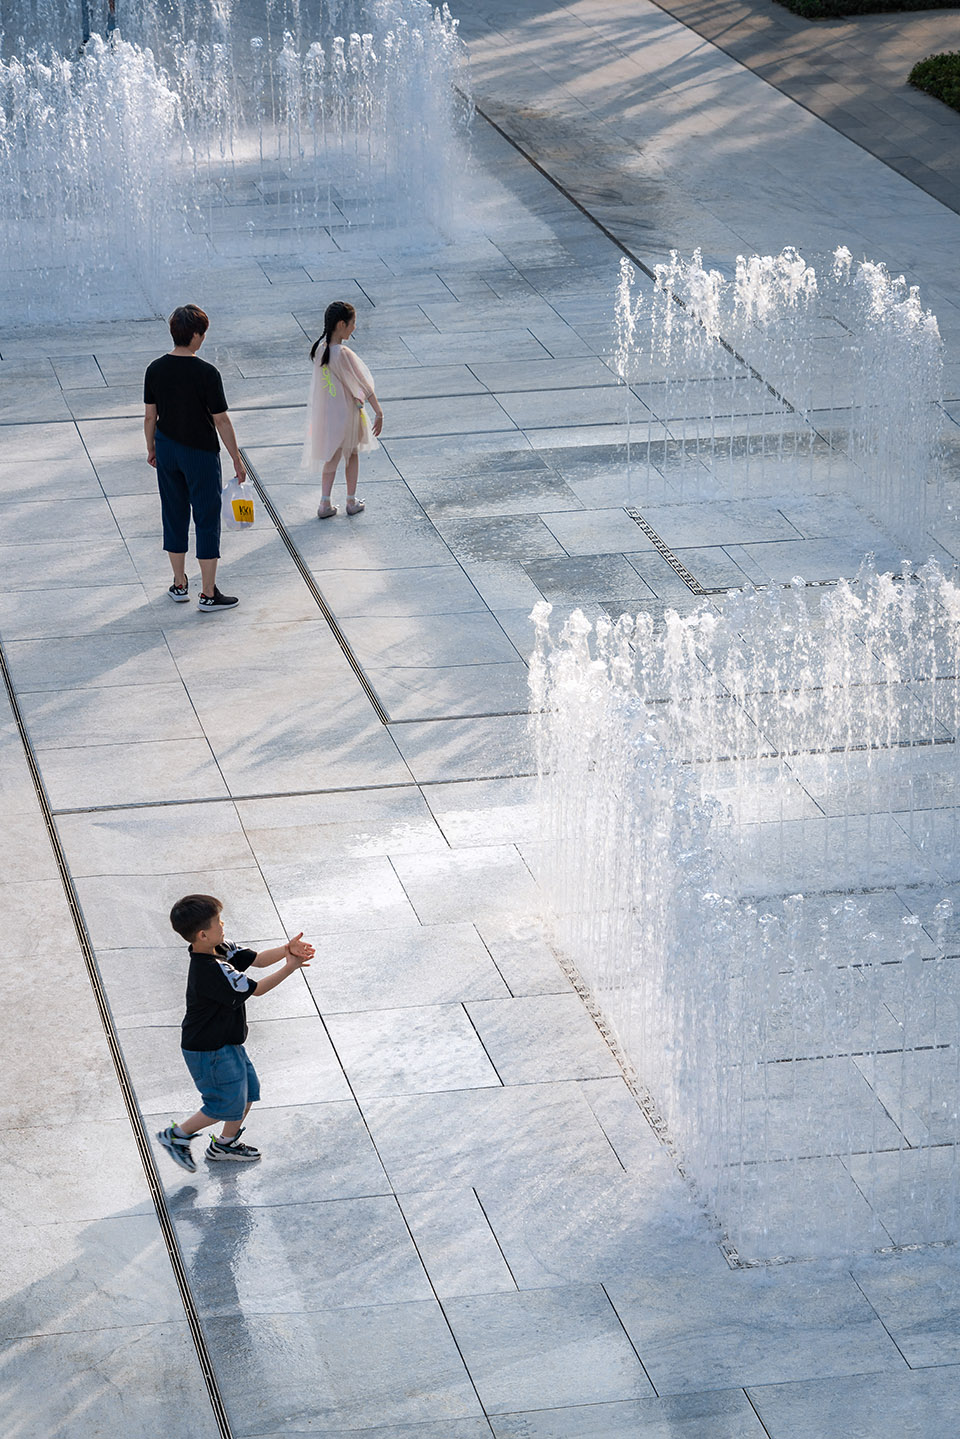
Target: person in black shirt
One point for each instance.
(215, 1027)
(185, 417)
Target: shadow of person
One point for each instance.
(93, 1337)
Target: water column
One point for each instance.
(750, 854)
(783, 379)
(89, 206)
(116, 162)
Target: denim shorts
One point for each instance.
(226, 1079)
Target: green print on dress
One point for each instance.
(328, 381)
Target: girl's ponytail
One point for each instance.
(336, 312)
(325, 357)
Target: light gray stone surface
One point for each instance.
(519, 1347)
(722, 1414)
(361, 1367)
(461, 1205)
(873, 1406)
(414, 1050)
(702, 1331)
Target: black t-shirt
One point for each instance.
(217, 991)
(187, 393)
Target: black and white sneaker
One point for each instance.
(210, 603)
(178, 1148)
(219, 1149)
(180, 593)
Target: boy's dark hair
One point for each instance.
(187, 321)
(193, 913)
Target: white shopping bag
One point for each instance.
(236, 505)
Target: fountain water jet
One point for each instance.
(783, 380)
(89, 207)
(136, 151)
(750, 847)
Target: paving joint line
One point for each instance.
(781, 86)
(292, 793)
(396, 1199)
(147, 1159)
(631, 255)
(704, 591)
(307, 576)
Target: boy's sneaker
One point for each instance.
(178, 1148)
(216, 601)
(219, 1149)
(180, 593)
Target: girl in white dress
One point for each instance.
(336, 422)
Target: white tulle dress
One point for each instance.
(335, 420)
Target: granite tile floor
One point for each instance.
(463, 1224)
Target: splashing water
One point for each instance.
(85, 181)
(119, 159)
(783, 380)
(750, 854)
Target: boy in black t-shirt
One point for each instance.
(185, 417)
(215, 1026)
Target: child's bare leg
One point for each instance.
(232, 1127)
(353, 470)
(195, 1123)
(329, 475)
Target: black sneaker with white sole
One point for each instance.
(180, 593)
(178, 1148)
(211, 603)
(222, 1149)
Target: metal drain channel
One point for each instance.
(120, 1066)
(662, 548)
(701, 591)
(314, 589)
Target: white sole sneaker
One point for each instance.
(178, 1150)
(236, 1154)
(214, 604)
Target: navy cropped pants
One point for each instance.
(189, 479)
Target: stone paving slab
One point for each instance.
(852, 74)
(451, 1156)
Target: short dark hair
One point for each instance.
(187, 321)
(193, 913)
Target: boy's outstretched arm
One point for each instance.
(293, 949)
(290, 966)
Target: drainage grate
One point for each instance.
(677, 565)
(701, 591)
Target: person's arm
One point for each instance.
(363, 380)
(293, 949)
(279, 975)
(226, 432)
(378, 422)
(150, 433)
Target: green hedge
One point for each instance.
(839, 9)
(939, 75)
